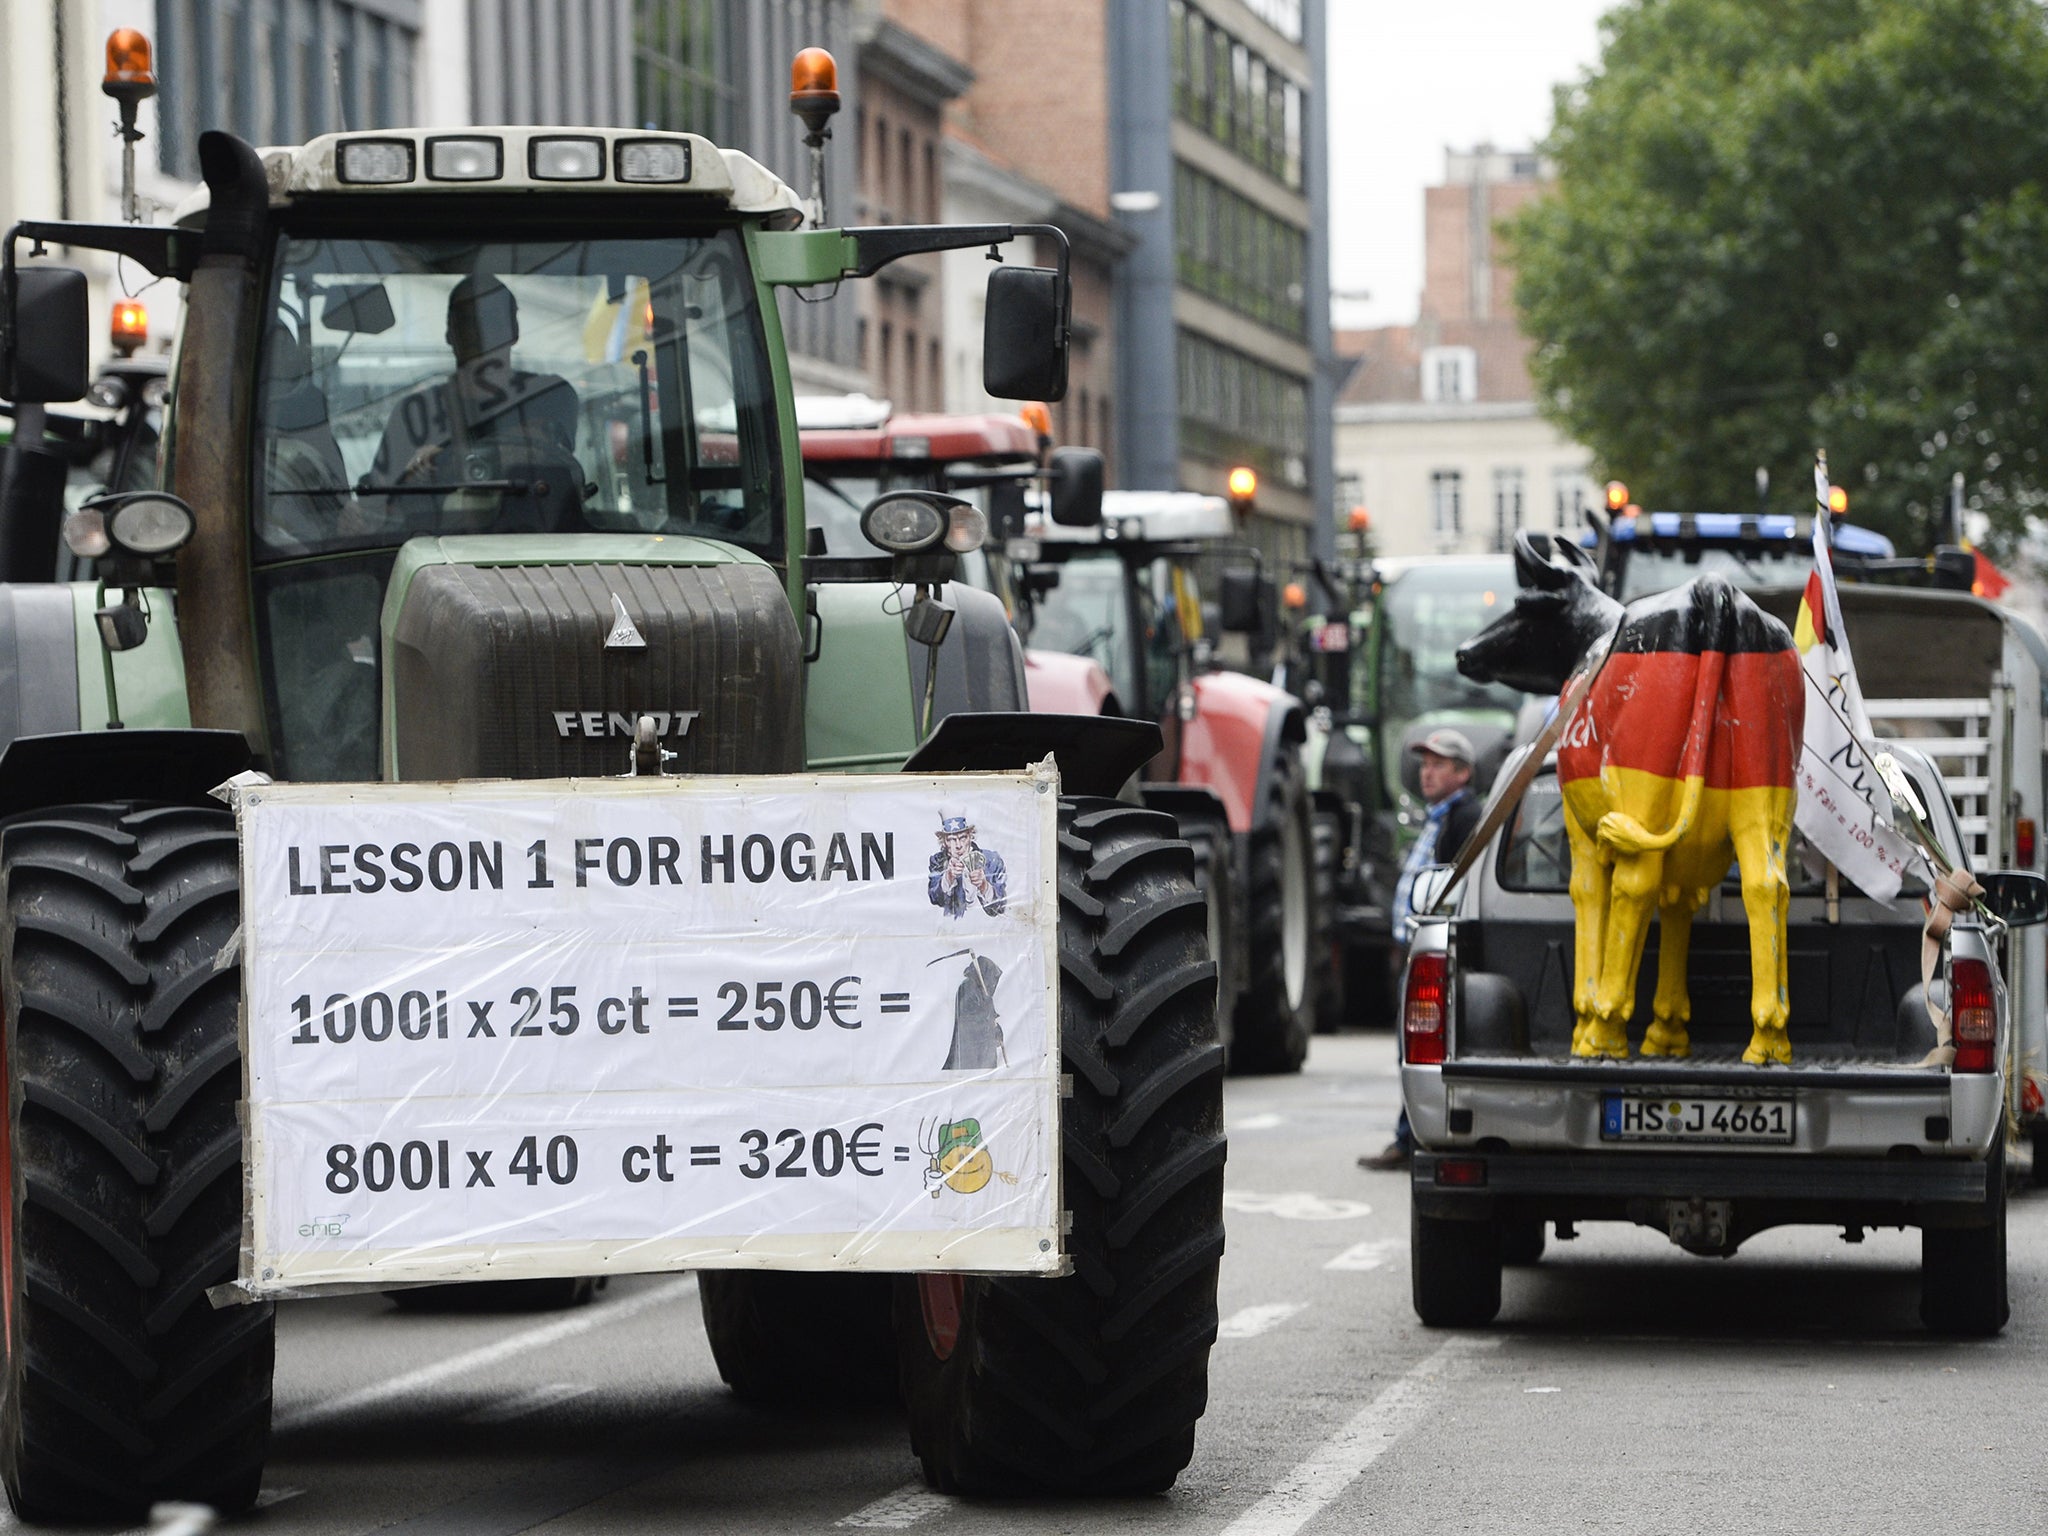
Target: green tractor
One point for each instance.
(446, 412)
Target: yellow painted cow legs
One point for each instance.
(1634, 884)
(1669, 1033)
(1761, 826)
(1589, 884)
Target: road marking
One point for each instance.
(1296, 1205)
(1315, 1483)
(1373, 1253)
(521, 1404)
(1252, 1123)
(1533, 1390)
(899, 1510)
(1250, 1322)
(488, 1355)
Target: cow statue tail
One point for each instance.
(1621, 831)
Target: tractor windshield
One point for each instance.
(445, 386)
(1428, 612)
(1088, 614)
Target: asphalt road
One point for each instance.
(1627, 1387)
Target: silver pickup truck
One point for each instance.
(1514, 1133)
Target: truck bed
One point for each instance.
(1855, 990)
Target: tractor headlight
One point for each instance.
(966, 527)
(653, 160)
(465, 160)
(148, 524)
(904, 522)
(151, 525)
(85, 533)
(374, 162)
(566, 159)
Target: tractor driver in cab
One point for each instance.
(488, 421)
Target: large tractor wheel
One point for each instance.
(123, 1165)
(788, 1339)
(1208, 838)
(1326, 834)
(1275, 1011)
(1092, 1384)
(1962, 1269)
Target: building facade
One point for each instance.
(1437, 431)
(1219, 156)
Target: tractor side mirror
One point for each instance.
(1246, 598)
(1075, 478)
(48, 337)
(1023, 337)
(2018, 896)
(360, 309)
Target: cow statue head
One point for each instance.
(1558, 615)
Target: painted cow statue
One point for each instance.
(1680, 758)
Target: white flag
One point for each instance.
(1844, 808)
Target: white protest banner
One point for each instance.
(575, 1027)
(1843, 808)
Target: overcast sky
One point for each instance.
(1408, 78)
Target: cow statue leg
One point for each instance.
(1591, 874)
(1635, 882)
(1761, 824)
(1669, 1033)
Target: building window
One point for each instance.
(1570, 497)
(1446, 504)
(1235, 94)
(1234, 408)
(266, 70)
(1450, 375)
(1232, 250)
(1507, 508)
(683, 69)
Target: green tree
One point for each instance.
(1798, 224)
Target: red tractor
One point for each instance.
(1105, 596)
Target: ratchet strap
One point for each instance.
(1954, 891)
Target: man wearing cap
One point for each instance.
(963, 872)
(1446, 773)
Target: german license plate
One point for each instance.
(1695, 1117)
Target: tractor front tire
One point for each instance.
(123, 1168)
(1209, 839)
(1092, 1384)
(784, 1338)
(1332, 1009)
(1276, 1010)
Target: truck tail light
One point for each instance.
(2023, 843)
(1975, 1017)
(1423, 1005)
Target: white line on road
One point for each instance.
(1313, 1485)
(1370, 1254)
(522, 1404)
(899, 1510)
(1250, 1322)
(490, 1354)
(1252, 1123)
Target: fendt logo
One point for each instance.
(594, 723)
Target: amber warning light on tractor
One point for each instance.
(1038, 418)
(1617, 496)
(128, 65)
(1244, 488)
(130, 328)
(814, 87)
(1838, 501)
